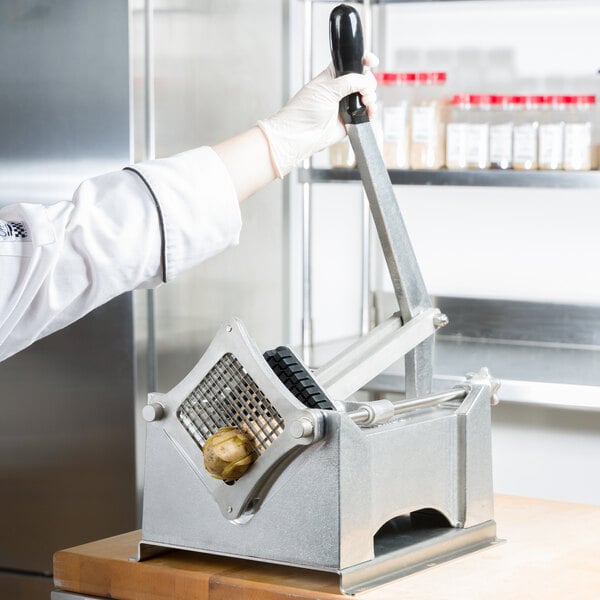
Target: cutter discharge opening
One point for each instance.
(404, 530)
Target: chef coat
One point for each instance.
(134, 228)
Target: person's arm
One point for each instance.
(144, 225)
(309, 122)
(133, 228)
(248, 161)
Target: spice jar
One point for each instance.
(501, 132)
(551, 133)
(377, 118)
(478, 132)
(341, 155)
(427, 122)
(525, 132)
(578, 133)
(456, 132)
(396, 90)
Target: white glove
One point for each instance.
(310, 121)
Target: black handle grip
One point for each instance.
(347, 50)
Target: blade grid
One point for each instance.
(227, 396)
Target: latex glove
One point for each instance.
(310, 121)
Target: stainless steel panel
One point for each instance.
(532, 322)
(535, 323)
(64, 95)
(66, 440)
(66, 433)
(25, 587)
(218, 68)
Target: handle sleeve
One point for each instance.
(347, 50)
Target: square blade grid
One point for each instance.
(229, 397)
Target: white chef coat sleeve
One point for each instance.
(123, 230)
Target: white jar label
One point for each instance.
(423, 124)
(578, 146)
(477, 145)
(525, 144)
(341, 154)
(501, 141)
(456, 145)
(394, 123)
(551, 145)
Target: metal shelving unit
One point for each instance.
(546, 385)
(488, 178)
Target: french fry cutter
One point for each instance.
(369, 490)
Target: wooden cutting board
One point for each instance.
(552, 553)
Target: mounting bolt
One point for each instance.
(230, 509)
(495, 398)
(229, 329)
(484, 373)
(440, 320)
(302, 428)
(153, 412)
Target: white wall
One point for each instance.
(546, 453)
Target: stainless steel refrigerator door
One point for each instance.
(218, 68)
(66, 430)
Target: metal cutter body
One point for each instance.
(332, 496)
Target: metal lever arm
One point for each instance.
(353, 368)
(409, 287)
(346, 42)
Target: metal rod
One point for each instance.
(367, 17)
(365, 301)
(150, 153)
(149, 96)
(431, 400)
(307, 332)
(361, 415)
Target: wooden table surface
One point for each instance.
(552, 552)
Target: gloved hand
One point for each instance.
(310, 121)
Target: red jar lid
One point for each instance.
(391, 78)
(584, 99)
(566, 99)
(461, 99)
(481, 99)
(407, 77)
(534, 99)
(385, 77)
(578, 99)
(432, 77)
(500, 99)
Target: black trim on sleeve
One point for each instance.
(160, 220)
